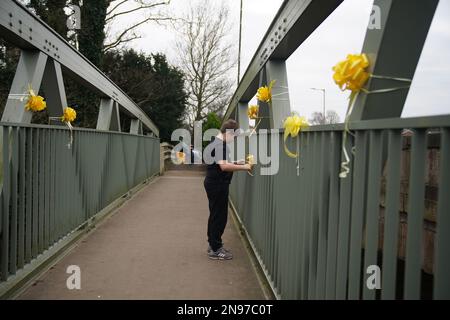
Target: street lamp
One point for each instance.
(323, 91)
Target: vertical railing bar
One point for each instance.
(391, 216)
(29, 195)
(41, 190)
(309, 151)
(357, 217)
(48, 176)
(313, 219)
(323, 198)
(22, 198)
(442, 253)
(345, 200)
(35, 206)
(13, 218)
(373, 208)
(415, 216)
(58, 185)
(4, 262)
(298, 214)
(333, 221)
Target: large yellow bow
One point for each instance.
(351, 73)
(35, 102)
(69, 115)
(292, 126)
(264, 93)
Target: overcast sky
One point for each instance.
(310, 66)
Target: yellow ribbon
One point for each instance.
(292, 126)
(264, 93)
(181, 157)
(35, 102)
(351, 74)
(68, 116)
(250, 159)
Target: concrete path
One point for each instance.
(154, 247)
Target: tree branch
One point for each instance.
(143, 6)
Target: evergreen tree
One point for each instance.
(153, 84)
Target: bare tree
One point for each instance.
(152, 11)
(206, 57)
(331, 117)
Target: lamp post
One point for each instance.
(239, 50)
(323, 91)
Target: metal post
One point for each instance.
(242, 116)
(55, 93)
(30, 71)
(281, 108)
(108, 115)
(136, 126)
(394, 51)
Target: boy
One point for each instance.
(217, 182)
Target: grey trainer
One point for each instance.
(220, 254)
(209, 250)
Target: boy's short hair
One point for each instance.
(229, 124)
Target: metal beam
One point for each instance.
(394, 51)
(242, 116)
(292, 25)
(22, 28)
(264, 111)
(281, 108)
(108, 116)
(53, 86)
(136, 126)
(29, 72)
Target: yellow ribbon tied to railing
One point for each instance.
(351, 74)
(181, 157)
(264, 93)
(253, 114)
(35, 102)
(292, 126)
(250, 159)
(69, 115)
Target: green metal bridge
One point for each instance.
(309, 236)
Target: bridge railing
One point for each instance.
(50, 190)
(320, 236)
(316, 234)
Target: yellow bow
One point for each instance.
(253, 111)
(69, 115)
(292, 126)
(35, 102)
(264, 93)
(181, 157)
(351, 74)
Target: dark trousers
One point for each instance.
(218, 212)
